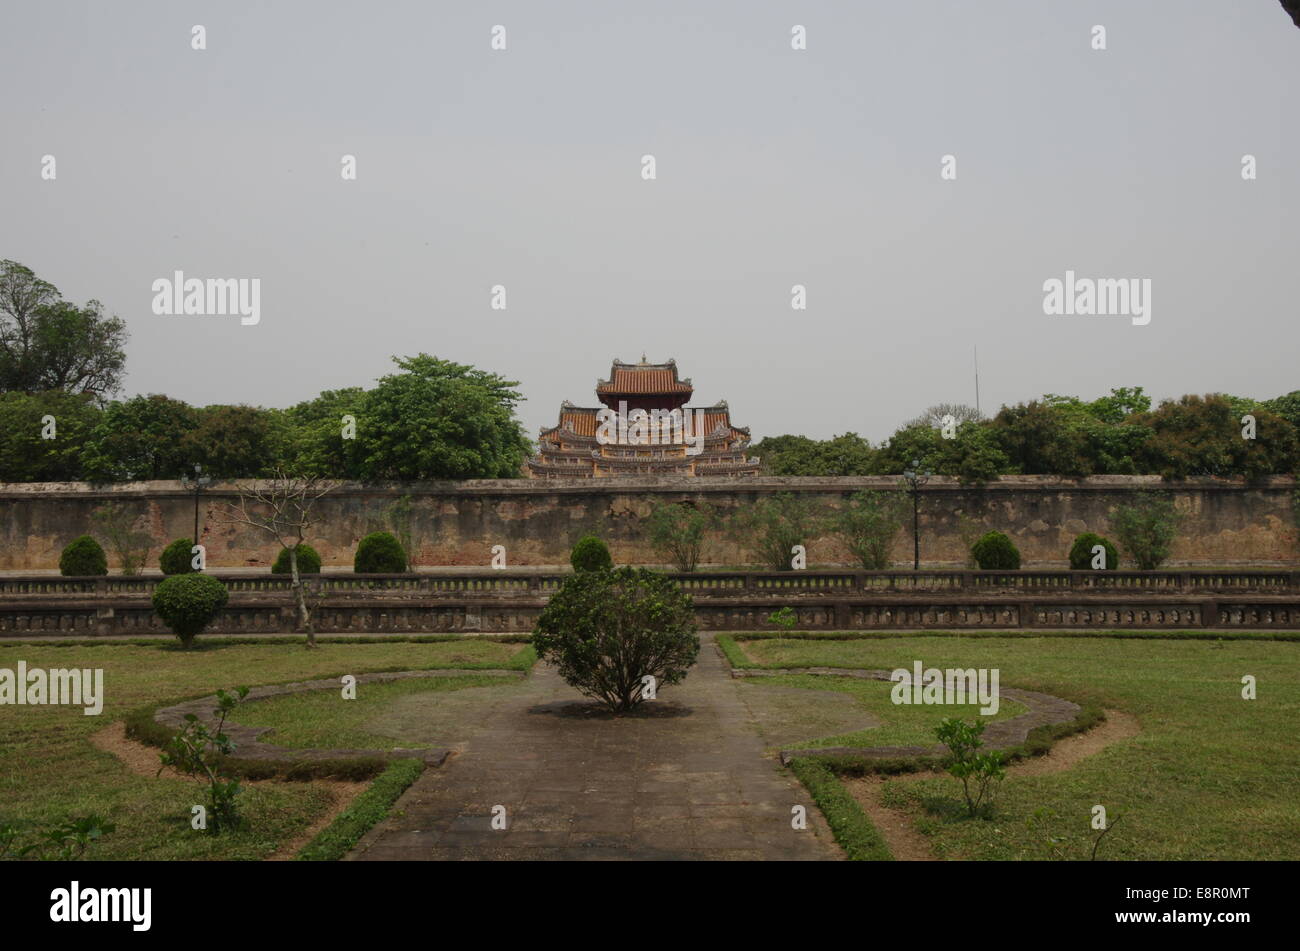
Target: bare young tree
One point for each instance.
(282, 507)
(118, 524)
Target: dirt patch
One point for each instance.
(1067, 752)
(142, 760)
(908, 845)
(342, 794)
(905, 843)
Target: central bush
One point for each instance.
(188, 603)
(607, 631)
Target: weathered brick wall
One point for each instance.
(457, 523)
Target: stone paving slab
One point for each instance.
(685, 777)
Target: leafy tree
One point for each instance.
(315, 442)
(25, 454)
(1122, 404)
(775, 524)
(678, 530)
(977, 771)
(868, 523)
(973, 455)
(234, 442)
(590, 554)
(1287, 406)
(188, 603)
(47, 343)
(913, 442)
(845, 455)
(198, 750)
(441, 420)
(1039, 439)
(619, 635)
(1202, 436)
(141, 438)
(1147, 527)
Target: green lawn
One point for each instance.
(50, 771)
(900, 724)
(319, 718)
(1211, 775)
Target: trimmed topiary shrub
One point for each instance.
(380, 553)
(1081, 553)
(591, 554)
(82, 558)
(308, 561)
(995, 552)
(618, 635)
(177, 558)
(188, 603)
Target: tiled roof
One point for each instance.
(643, 379)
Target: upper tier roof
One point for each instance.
(643, 379)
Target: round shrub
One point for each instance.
(1081, 552)
(995, 552)
(607, 631)
(380, 553)
(590, 554)
(82, 558)
(177, 558)
(308, 561)
(188, 603)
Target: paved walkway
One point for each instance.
(683, 778)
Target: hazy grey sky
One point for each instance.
(775, 167)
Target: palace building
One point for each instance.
(644, 427)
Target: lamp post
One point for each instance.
(915, 478)
(198, 483)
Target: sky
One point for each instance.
(523, 167)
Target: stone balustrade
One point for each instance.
(510, 601)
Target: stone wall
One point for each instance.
(457, 523)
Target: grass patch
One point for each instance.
(50, 771)
(1211, 775)
(368, 809)
(320, 719)
(901, 724)
(860, 839)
